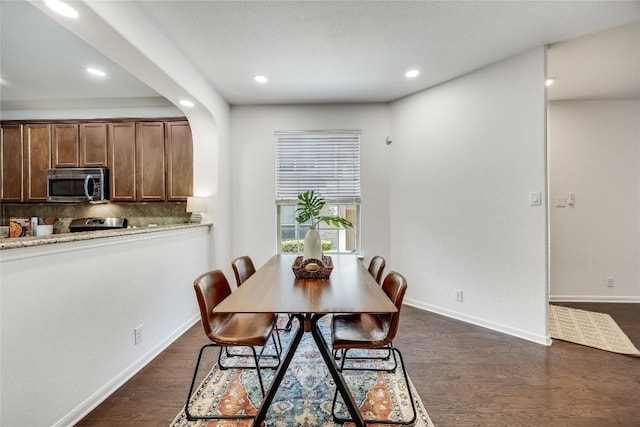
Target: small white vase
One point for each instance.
(312, 245)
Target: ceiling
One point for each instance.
(327, 51)
(603, 65)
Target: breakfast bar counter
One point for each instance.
(26, 242)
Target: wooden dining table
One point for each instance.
(273, 288)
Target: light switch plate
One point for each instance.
(535, 198)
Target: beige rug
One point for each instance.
(589, 328)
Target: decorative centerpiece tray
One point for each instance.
(312, 268)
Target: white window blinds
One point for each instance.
(327, 162)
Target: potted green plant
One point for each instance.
(308, 209)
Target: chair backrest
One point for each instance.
(395, 286)
(242, 268)
(376, 267)
(211, 289)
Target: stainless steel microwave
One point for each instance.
(78, 185)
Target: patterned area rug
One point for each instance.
(589, 328)
(305, 394)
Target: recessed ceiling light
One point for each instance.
(62, 8)
(412, 73)
(96, 72)
(186, 103)
(549, 81)
(261, 79)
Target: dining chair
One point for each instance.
(243, 269)
(376, 267)
(249, 330)
(365, 331)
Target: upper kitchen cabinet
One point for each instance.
(11, 163)
(179, 156)
(36, 160)
(94, 144)
(83, 145)
(122, 161)
(65, 145)
(150, 162)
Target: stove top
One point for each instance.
(93, 224)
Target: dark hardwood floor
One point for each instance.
(466, 376)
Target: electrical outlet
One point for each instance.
(610, 282)
(458, 295)
(137, 335)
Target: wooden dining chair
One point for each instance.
(376, 267)
(366, 331)
(249, 330)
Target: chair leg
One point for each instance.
(271, 356)
(192, 417)
(335, 395)
(256, 358)
(287, 327)
(266, 356)
(338, 356)
(406, 381)
(390, 354)
(261, 355)
(279, 353)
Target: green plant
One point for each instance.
(309, 207)
(295, 245)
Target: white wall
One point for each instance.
(594, 152)
(69, 311)
(253, 173)
(465, 156)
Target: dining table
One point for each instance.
(274, 288)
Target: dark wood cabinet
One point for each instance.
(94, 144)
(11, 163)
(150, 162)
(179, 156)
(122, 161)
(83, 145)
(64, 145)
(36, 160)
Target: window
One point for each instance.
(327, 162)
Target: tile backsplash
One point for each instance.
(137, 214)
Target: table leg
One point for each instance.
(277, 379)
(337, 375)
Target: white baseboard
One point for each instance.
(593, 298)
(105, 391)
(498, 327)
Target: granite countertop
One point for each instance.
(25, 242)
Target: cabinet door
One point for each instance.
(11, 163)
(122, 161)
(179, 153)
(65, 145)
(93, 145)
(37, 159)
(150, 161)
